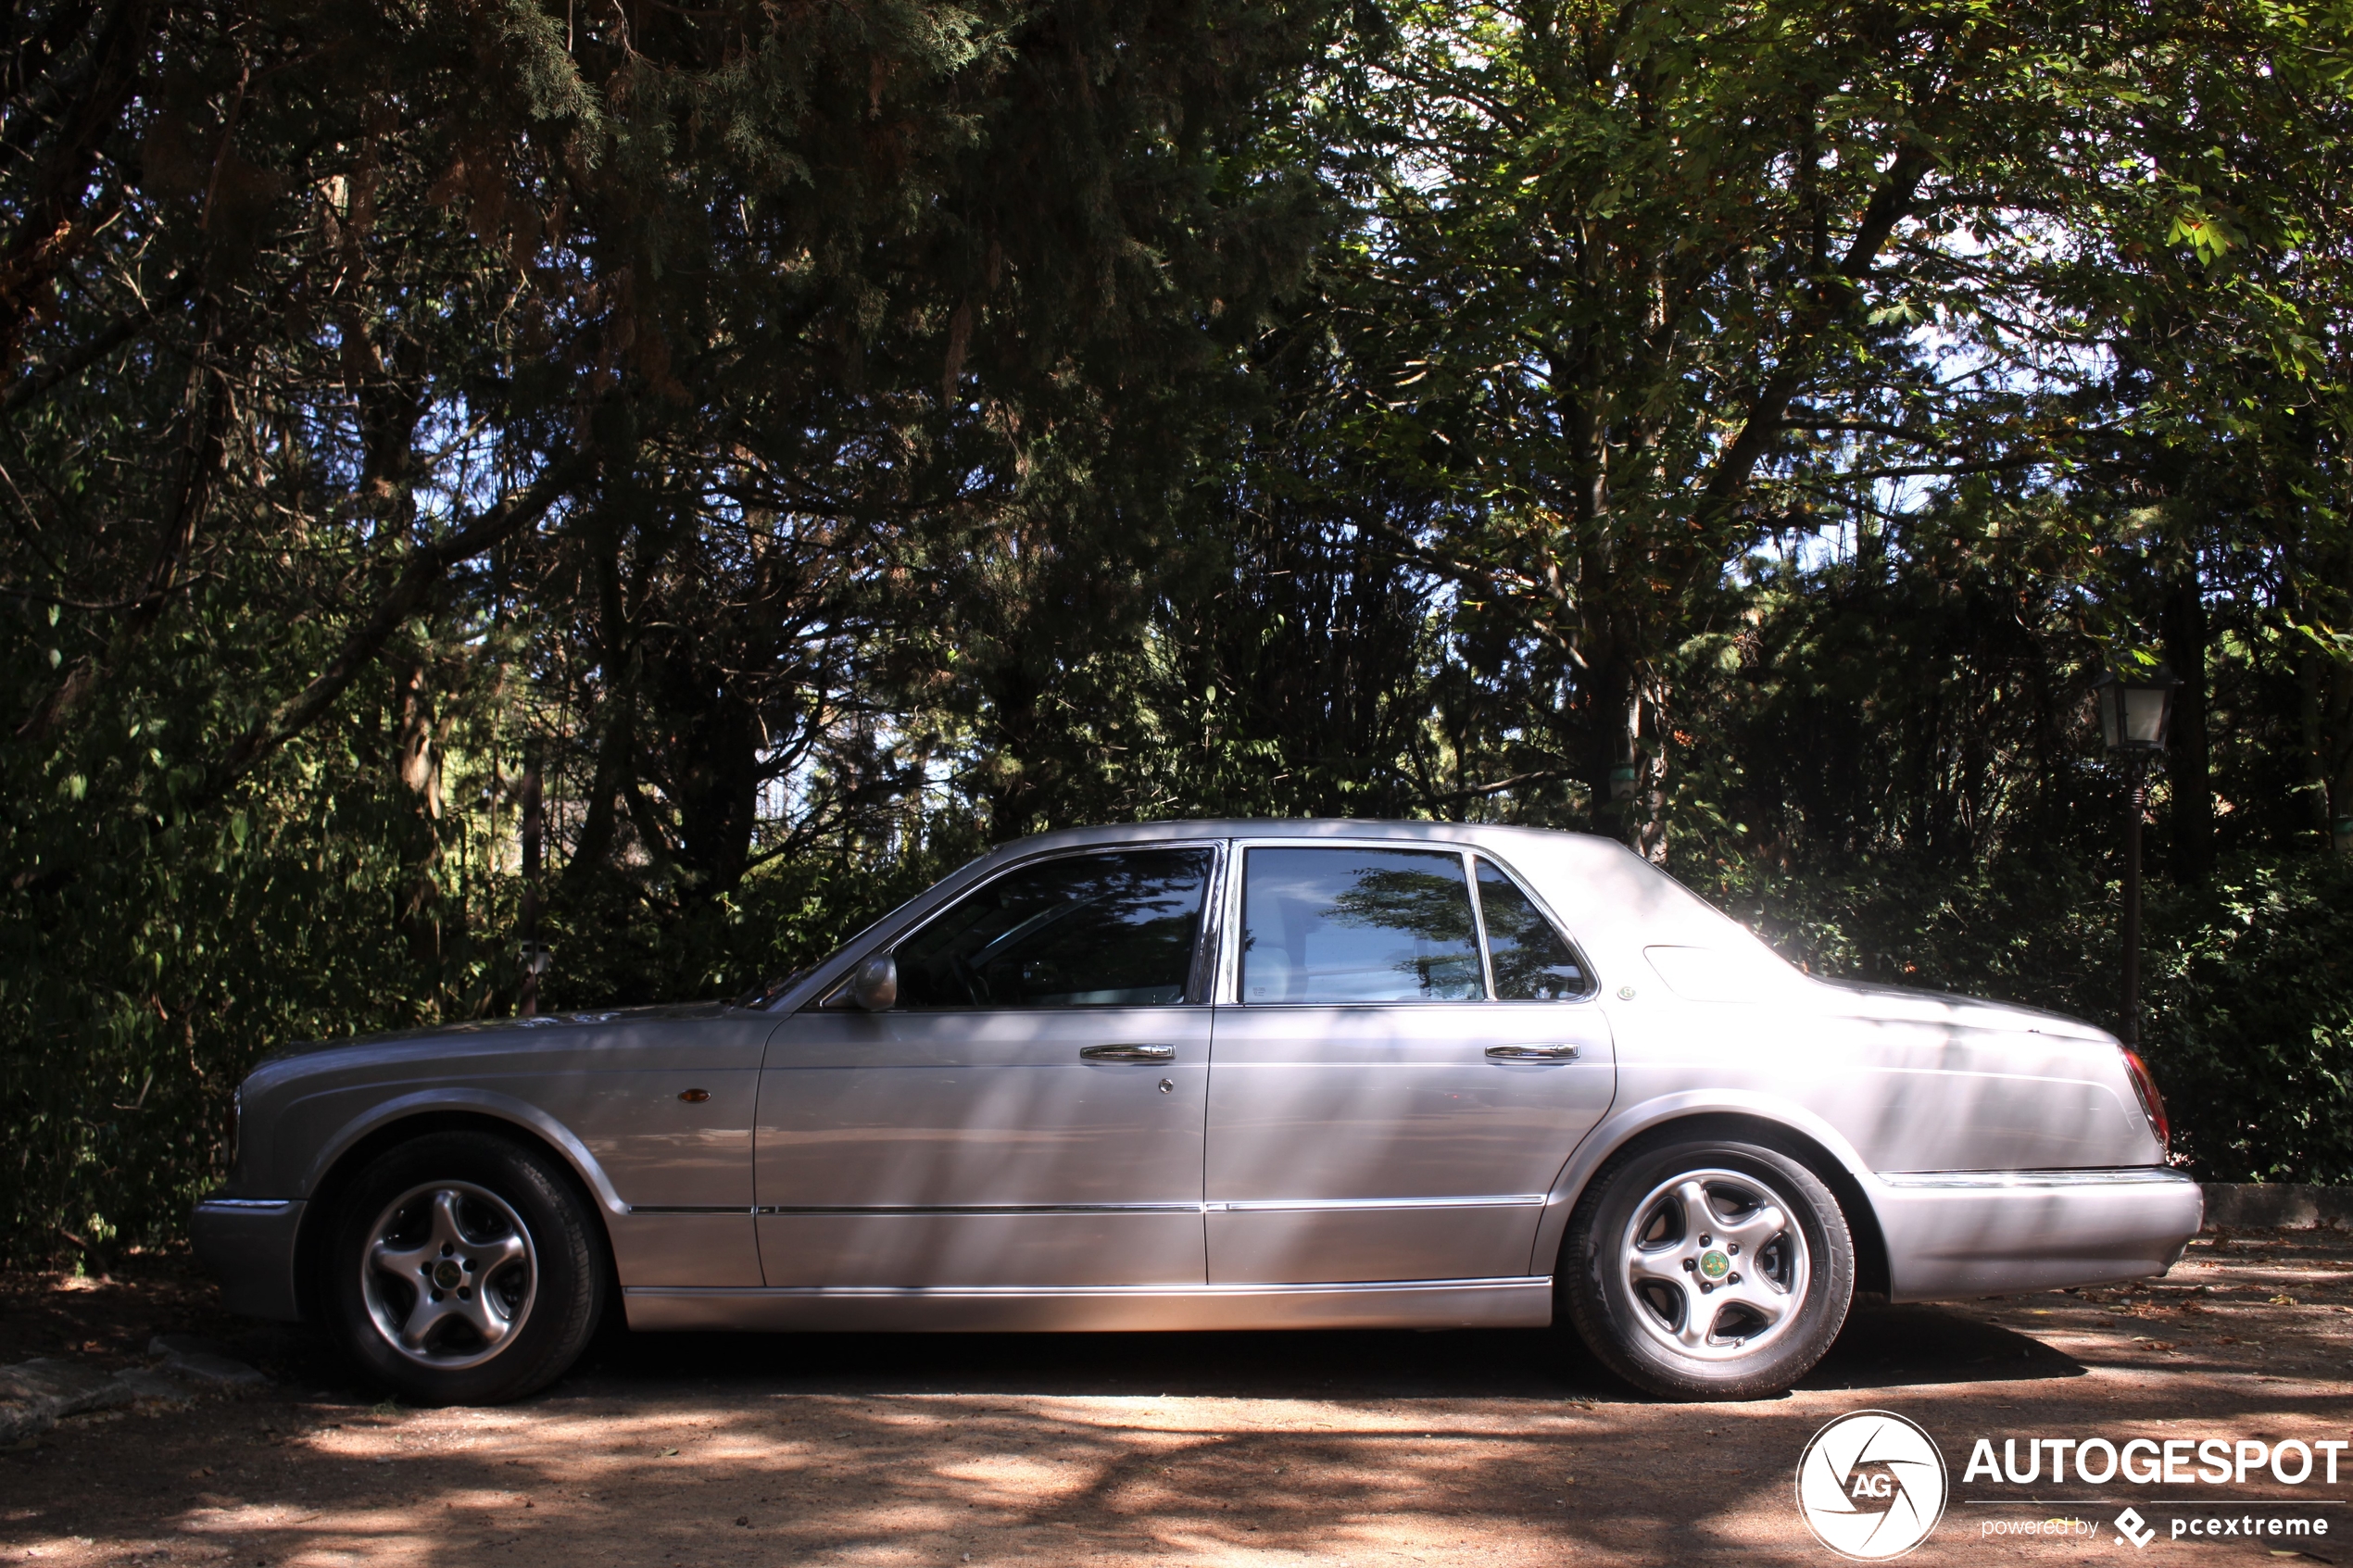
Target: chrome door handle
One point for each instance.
(1128, 1053)
(1532, 1053)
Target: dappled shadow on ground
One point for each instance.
(1359, 1447)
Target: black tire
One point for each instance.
(1669, 1310)
(500, 1224)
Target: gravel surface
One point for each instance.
(1331, 1448)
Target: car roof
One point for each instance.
(1304, 827)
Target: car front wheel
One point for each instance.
(1707, 1269)
(463, 1268)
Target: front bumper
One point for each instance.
(1955, 1234)
(248, 1244)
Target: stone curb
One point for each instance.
(36, 1395)
(2276, 1204)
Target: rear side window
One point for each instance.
(1083, 931)
(1533, 961)
(1357, 926)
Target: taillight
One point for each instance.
(2152, 1103)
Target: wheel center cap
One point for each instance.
(1714, 1264)
(447, 1274)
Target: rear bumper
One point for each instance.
(1954, 1234)
(248, 1244)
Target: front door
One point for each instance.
(1030, 1111)
(1400, 1072)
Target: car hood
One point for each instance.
(508, 1025)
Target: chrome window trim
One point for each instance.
(1210, 892)
(1560, 926)
(270, 1205)
(1201, 985)
(1479, 922)
(1226, 991)
(1229, 981)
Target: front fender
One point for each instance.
(482, 1102)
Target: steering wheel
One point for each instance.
(961, 970)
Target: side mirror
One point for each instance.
(876, 986)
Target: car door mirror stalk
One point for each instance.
(876, 987)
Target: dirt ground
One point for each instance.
(1354, 1448)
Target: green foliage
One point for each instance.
(815, 442)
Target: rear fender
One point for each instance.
(1628, 1123)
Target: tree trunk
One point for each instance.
(2312, 739)
(2338, 737)
(2188, 765)
(715, 779)
(1613, 719)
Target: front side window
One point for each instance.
(1116, 930)
(1533, 962)
(1357, 926)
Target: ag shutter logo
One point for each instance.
(1872, 1486)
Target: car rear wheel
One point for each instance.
(1707, 1269)
(464, 1268)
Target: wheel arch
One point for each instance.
(401, 1121)
(1802, 1136)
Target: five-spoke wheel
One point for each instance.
(1714, 1265)
(465, 1268)
(450, 1275)
(1707, 1269)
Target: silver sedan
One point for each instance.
(1214, 1075)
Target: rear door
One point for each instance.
(1029, 1114)
(1401, 1068)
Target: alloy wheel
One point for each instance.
(449, 1275)
(1716, 1263)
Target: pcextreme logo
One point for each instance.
(1872, 1486)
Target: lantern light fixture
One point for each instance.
(2136, 711)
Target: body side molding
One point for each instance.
(1443, 1303)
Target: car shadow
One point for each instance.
(1882, 1346)
(1890, 1346)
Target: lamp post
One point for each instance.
(535, 953)
(2135, 713)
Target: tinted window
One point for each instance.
(1357, 926)
(1533, 961)
(1083, 931)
